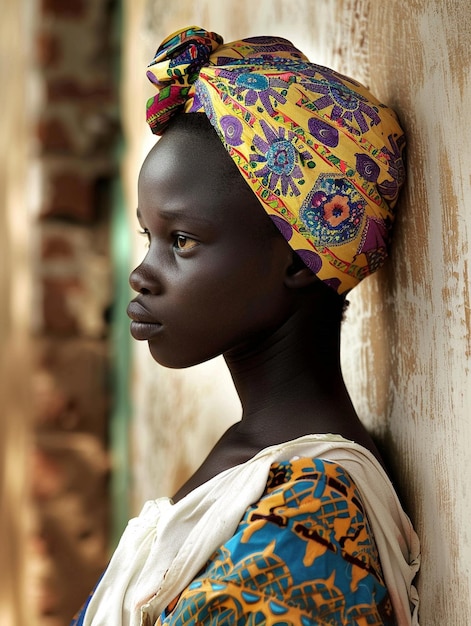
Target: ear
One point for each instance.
(298, 275)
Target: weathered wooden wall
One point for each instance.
(406, 343)
(14, 318)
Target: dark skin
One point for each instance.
(218, 278)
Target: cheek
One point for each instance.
(245, 301)
(212, 318)
(210, 311)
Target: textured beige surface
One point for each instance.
(14, 389)
(407, 340)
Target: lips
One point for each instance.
(143, 326)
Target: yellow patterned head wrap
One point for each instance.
(322, 155)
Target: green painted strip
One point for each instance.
(120, 338)
(120, 369)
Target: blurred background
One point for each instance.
(90, 426)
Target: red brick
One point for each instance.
(73, 522)
(49, 50)
(56, 247)
(47, 477)
(71, 389)
(59, 296)
(72, 396)
(53, 136)
(65, 8)
(73, 90)
(51, 402)
(72, 196)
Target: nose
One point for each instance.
(143, 280)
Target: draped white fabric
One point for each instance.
(163, 549)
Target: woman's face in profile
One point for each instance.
(212, 278)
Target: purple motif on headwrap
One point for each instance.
(323, 132)
(260, 87)
(367, 167)
(348, 107)
(396, 169)
(333, 283)
(310, 259)
(375, 236)
(285, 229)
(232, 129)
(273, 45)
(256, 86)
(279, 158)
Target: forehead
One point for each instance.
(191, 152)
(189, 169)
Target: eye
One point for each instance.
(182, 243)
(145, 233)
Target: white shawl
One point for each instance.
(163, 549)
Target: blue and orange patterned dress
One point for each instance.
(303, 555)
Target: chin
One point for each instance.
(177, 361)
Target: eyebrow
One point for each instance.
(175, 214)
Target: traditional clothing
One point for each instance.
(321, 153)
(166, 548)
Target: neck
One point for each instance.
(290, 383)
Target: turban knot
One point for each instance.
(174, 70)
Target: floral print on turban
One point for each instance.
(322, 155)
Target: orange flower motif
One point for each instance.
(337, 210)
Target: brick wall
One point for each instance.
(77, 131)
